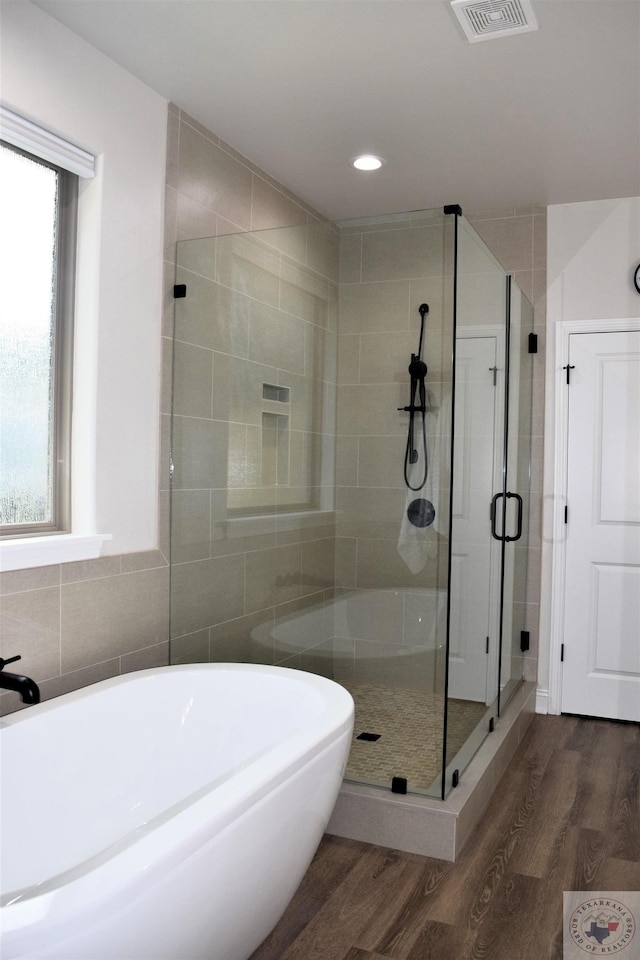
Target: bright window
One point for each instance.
(37, 246)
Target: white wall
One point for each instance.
(52, 77)
(592, 251)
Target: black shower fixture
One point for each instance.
(417, 404)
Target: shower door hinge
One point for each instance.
(566, 514)
(533, 343)
(562, 653)
(487, 646)
(495, 375)
(455, 778)
(492, 724)
(453, 208)
(524, 640)
(179, 291)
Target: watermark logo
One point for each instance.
(601, 924)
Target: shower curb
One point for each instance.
(436, 828)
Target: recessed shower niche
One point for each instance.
(275, 448)
(293, 535)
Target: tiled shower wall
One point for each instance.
(387, 270)
(254, 408)
(81, 622)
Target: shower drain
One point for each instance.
(368, 736)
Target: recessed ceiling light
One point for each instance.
(367, 162)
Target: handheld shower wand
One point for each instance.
(418, 373)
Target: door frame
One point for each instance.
(564, 329)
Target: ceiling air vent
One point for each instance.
(486, 19)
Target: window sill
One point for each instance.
(45, 551)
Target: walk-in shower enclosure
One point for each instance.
(295, 537)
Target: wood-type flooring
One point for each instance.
(565, 816)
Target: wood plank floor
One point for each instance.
(566, 816)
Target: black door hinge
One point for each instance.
(533, 343)
(524, 640)
(179, 291)
(487, 647)
(569, 367)
(566, 514)
(562, 653)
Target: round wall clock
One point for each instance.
(636, 278)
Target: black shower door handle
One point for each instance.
(494, 513)
(519, 529)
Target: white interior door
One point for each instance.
(474, 582)
(601, 665)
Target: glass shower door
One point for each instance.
(490, 492)
(511, 517)
(253, 446)
(479, 420)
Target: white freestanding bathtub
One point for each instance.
(169, 813)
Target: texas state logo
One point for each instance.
(601, 926)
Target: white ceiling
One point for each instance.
(300, 86)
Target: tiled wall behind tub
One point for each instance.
(254, 357)
(76, 623)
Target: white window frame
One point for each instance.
(46, 145)
(32, 551)
(60, 372)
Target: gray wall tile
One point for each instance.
(30, 626)
(116, 615)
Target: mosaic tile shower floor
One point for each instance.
(410, 726)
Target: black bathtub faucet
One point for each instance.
(25, 686)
